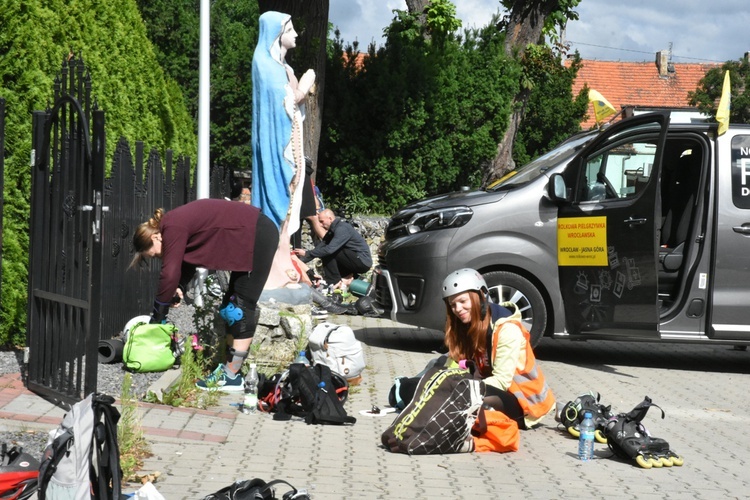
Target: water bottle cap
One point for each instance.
(322, 384)
(253, 365)
(587, 414)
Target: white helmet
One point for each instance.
(145, 318)
(464, 280)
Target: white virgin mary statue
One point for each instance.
(278, 156)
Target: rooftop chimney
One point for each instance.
(662, 63)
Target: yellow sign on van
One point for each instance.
(582, 241)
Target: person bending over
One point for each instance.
(214, 234)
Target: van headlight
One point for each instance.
(441, 218)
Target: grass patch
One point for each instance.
(184, 392)
(133, 446)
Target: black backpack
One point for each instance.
(310, 392)
(84, 445)
(257, 489)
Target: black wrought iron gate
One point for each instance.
(65, 247)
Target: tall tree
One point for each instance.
(417, 117)
(140, 103)
(423, 114)
(234, 34)
(706, 96)
(417, 7)
(310, 18)
(526, 24)
(173, 27)
(553, 113)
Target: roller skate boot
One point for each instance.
(629, 439)
(571, 415)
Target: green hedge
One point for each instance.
(140, 103)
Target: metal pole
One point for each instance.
(204, 96)
(204, 126)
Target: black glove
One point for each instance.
(159, 314)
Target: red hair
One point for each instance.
(467, 341)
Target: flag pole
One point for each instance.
(202, 188)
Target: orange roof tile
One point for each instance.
(638, 84)
(359, 59)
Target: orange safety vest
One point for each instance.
(528, 384)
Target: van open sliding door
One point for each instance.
(607, 233)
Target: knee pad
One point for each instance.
(247, 320)
(231, 313)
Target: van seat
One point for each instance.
(680, 190)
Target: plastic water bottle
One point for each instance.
(250, 398)
(586, 440)
(301, 358)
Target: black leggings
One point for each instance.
(505, 402)
(249, 285)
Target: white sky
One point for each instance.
(627, 30)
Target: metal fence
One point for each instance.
(136, 187)
(81, 289)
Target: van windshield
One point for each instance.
(531, 171)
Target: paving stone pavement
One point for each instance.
(702, 389)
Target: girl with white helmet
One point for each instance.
(497, 342)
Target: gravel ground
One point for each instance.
(109, 381)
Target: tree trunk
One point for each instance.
(525, 24)
(310, 18)
(416, 6)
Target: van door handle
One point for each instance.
(741, 229)
(635, 222)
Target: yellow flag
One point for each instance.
(722, 114)
(602, 107)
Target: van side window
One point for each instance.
(620, 172)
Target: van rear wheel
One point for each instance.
(505, 286)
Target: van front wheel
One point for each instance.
(510, 287)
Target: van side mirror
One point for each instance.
(556, 188)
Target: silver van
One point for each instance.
(639, 232)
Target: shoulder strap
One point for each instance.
(491, 344)
(492, 339)
(327, 407)
(325, 342)
(109, 474)
(289, 494)
(52, 456)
